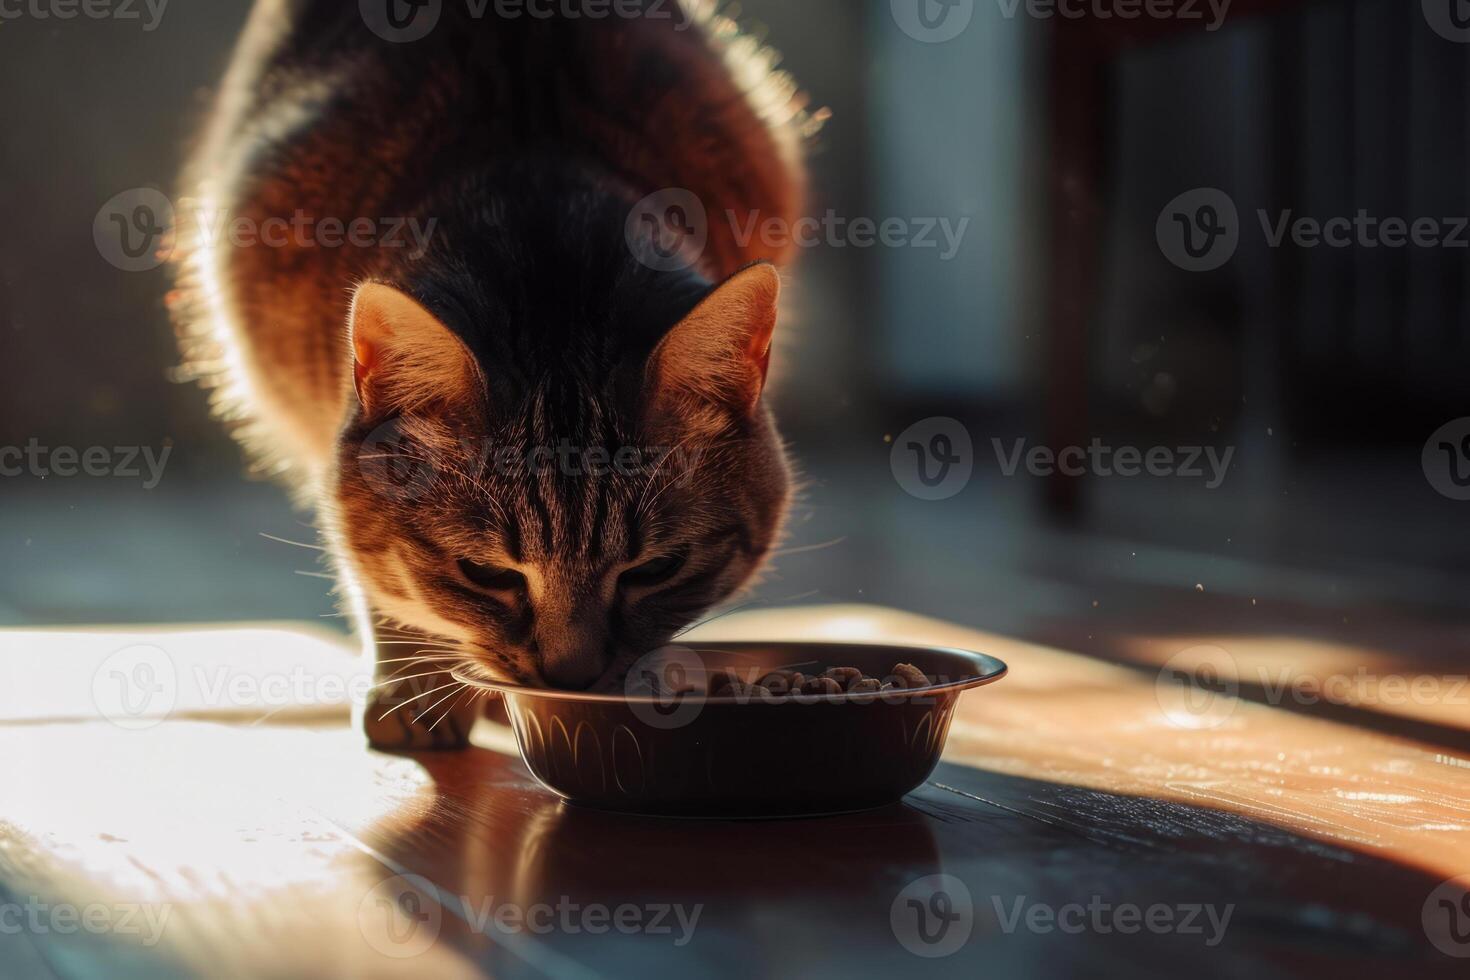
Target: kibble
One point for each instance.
(845, 677)
(776, 685)
(821, 685)
(908, 676)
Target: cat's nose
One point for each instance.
(573, 669)
(571, 638)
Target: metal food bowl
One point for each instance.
(664, 747)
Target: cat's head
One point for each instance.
(558, 513)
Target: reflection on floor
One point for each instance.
(1092, 820)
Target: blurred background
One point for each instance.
(1068, 151)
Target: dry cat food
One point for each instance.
(777, 684)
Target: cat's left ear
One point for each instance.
(403, 357)
(720, 352)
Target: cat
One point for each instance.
(535, 447)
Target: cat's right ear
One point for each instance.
(403, 357)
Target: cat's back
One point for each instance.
(329, 113)
(672, 97)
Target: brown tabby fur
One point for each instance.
(526, 142)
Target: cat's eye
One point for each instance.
(652, 572)
(495, 578)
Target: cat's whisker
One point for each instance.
(401, 680)
(400, 455)
(461, 686)
(808, 547)
(487, 495)
(673, 479)
(415, 658)
(721, 615)
(298, 544)
(416, 697)
(440, 663)
(392, 629)
(450, 710)
(642, 500)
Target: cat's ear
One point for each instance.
(403, 358)
(717, 356)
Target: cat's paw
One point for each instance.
(398, 717)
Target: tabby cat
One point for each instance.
(536, 448)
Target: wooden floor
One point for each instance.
(1093, 820)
